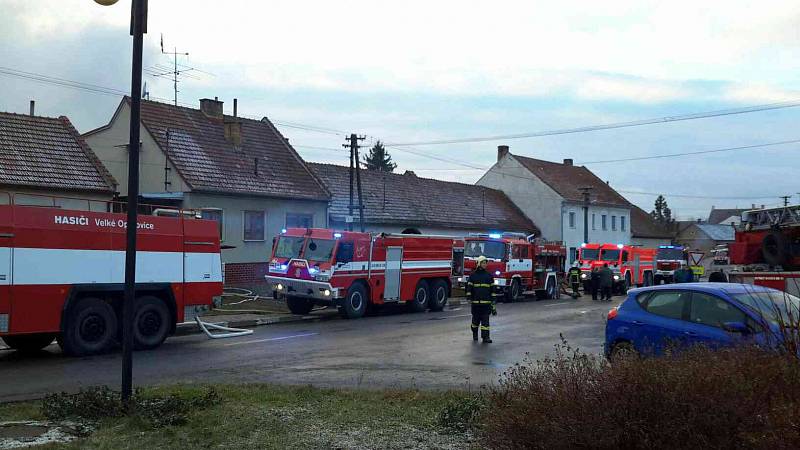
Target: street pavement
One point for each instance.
(432, 350)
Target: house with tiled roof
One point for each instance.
(45, 162)
(726, 216)
(647, 232)
(553, 193)
(241, 172)
(407, 203)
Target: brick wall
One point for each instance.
(245, 273)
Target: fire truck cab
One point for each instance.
(62, 273)
(520, 264)
(355, 271)
(632, 266)
(669, 258)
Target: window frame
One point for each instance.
(604, 221)
(685, 307)
(221, 220)
(571, 219)
(622, 223)
(263, 225)
(594, 222)
(747, 319)
(613, 223)
(310, 216)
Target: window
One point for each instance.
(622, 222)
(344, 253)
(573, 254)
(516, 251)
(523, 253)
(713, 311)
(668, 304)
(624, 256)
(572, 219)
(594, 226)
(299, 220)
(319, 249)
(604, 222)
(254, 225)
(289, 247)
(614, 223)
(490, 249)
(214, 214)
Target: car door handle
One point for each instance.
(638, 322)
(690, 333)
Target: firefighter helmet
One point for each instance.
(482, 259)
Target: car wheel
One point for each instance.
(420, 301)
(299, 306)
(438, 295)
(151, 323)
(29, 343)
(355, 303)
(91, 328)
(622, 350)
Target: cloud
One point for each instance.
(759, 93)
(638, 91)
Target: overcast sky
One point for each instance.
(425, 70)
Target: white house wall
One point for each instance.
(537, 200)
(574, 236)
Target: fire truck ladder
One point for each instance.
(764, 219)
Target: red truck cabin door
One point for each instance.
(391, 286)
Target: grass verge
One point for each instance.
(264, 416)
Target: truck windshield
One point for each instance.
(489, 249)
(289, 247)
(610, 255)
(589, 254)
(319, 249)
(670, 254)
(774, 306)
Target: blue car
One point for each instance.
(653, 319)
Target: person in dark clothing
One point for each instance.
(606, 282)
(574, 277)
(594, 282)
(718, 277)
(480, 292)
(684, 275)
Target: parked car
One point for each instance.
(653, 319)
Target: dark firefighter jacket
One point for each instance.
(480, 288)
(606, 277)
(574, 275)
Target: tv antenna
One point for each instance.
(177, 70)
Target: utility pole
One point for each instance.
(786, 199)
(587, 200)
(355, 169)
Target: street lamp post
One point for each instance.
(138, 29)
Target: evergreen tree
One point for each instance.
(662, 214)
(379, 159)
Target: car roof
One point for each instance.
(711, 288)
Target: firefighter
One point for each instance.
(606, 282)
(594, 282)
(574, 275)
(481, 293)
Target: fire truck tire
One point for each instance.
(354, 305)
(776, 249)
(151, 323)
(550, 289)
(91, 328)
(438, 295)
(513, 292)
(299, 306)
(421, 297)
(29, 343)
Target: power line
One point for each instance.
(635, 123)
(695, 196)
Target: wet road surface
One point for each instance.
(394, 349)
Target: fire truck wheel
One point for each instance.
(151, 323)
(300, 306)
(438, 295)
(513, 292)
(550, 290)
(29, 343)
(776, 249)
(420, 302)
(355, 304)
(90, 328)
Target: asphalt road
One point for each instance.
(395, 349)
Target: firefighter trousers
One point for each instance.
(480, 321)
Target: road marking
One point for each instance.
(282, 338)
(560, 303)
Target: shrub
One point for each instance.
(734, 398)
(462, 413)
(100, 402)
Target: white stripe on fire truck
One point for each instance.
(381, 265)
(37, 266)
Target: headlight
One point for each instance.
(460, 279)
(616, 277)
(584, 276)
(497, 282)
(279, 287)
(326, 292)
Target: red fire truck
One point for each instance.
(354, 271)
(669, 258)
(632, 266)
(62, 274)
(520, 264)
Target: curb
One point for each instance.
(185, 329)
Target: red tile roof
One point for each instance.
(48, 152)
(414, 201)
(210, 163)
(643, 225)
(566, 180)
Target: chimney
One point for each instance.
(33, 107)
(235, 107)
(753, 206)
(410, 173)
(502, 150)
(233, 132)
(567, 161)
(762, 206)
(211, 108)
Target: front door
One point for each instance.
(394, 259)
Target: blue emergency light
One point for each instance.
(495, 235)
